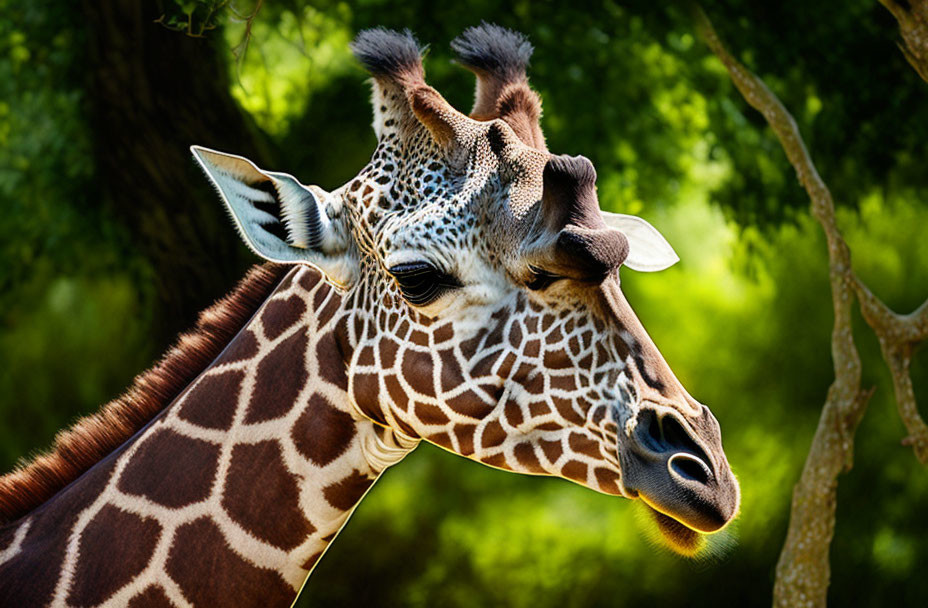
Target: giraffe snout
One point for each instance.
(677, 467)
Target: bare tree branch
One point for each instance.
(803, 571)
(912, 16)
(899, 335)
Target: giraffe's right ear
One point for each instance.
(279, 218)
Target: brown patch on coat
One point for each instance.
(281, 315)
(493, 435)
(441, 439)
(429, 414)
(451, 376)
(331, 360)
(417, 370)
(259, 484)
(212, 403)
(91, 438)
(497, 460)
(552, 449)
(346, 493)
(469, 404)
(171, 469)
(525, 454)
(575, 470)
(582, 444)
(210, 573)
(465, 436)
(608, 480)
(365, 391)
(245, 346)
(387, 349)
(322, 433)
(44, 546)
(514, 414)
(309, 278)
(327, 312)
(280, 377)
(152, 597)
(311, 561)
(114, 547)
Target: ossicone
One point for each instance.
(499, 58)
(582, 247)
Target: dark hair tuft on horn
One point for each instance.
(388, 53)
(492, 48)
(499, 58)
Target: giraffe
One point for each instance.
(463, 289)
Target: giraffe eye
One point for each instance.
(421, 283)
(540, 278)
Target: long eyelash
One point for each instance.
(542, 278)
(421, 283)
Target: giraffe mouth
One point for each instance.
(679, 537)
(679, 472)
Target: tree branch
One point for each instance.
(899, 335)
(803, 570)
(913, 27)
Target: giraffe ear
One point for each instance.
(648, 250)
(279, 218)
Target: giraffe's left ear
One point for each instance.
(648, 250)
(279, 218)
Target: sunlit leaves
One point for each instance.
(295, 54)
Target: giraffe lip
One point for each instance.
(664, 462)
(680, 537)
(701, 511)
(662, 516)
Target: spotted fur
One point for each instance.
(92, 438)
(525, 357)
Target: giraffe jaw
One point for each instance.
(679, 537)
(677, 468)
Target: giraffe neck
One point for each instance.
(232, 493)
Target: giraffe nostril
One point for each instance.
(650, 433)
(689, 467)
(664, 437)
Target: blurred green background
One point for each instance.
(111, 241)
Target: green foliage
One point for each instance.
(744, 320)
(74, 305)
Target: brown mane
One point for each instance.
(92, 438)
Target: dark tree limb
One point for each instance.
(152, 93)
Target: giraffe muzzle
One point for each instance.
(678, 469)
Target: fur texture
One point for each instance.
(93, 437)
(388, 54)
(491, 48)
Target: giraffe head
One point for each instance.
(482, 309)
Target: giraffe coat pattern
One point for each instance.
(463, 289)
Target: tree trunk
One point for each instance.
(152, 93)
